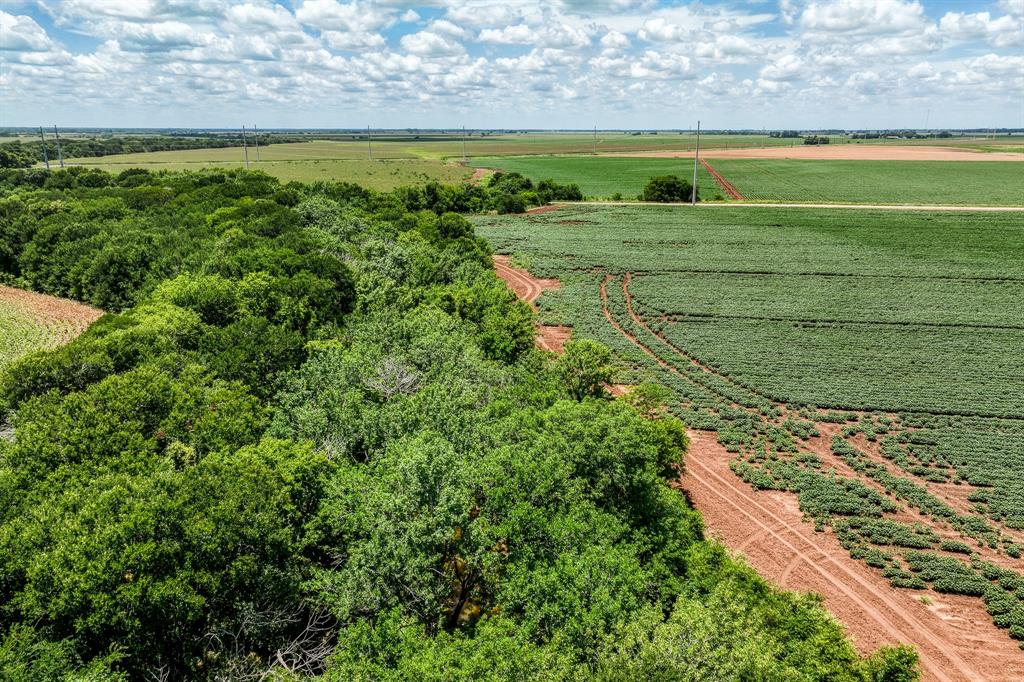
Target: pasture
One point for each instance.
(866, 362)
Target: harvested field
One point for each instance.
(839, 152)
(31, 321)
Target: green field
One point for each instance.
(601, 177)
(20, 333)
(379, 174)
(968, 183)
(904, 326)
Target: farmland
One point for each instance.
(867, 364)
(600, 176)
(30, 322)
(975, 183)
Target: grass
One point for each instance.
(287, 163)
(599, 176)
(982, 183)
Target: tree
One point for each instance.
(585, 367)
(667, 188)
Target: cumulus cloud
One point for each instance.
(22, 34)
(863, 17)
(622, 57)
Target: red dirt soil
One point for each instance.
(839, 152)
(726, 186)
(529, 288)
(65, 317)
(954, 635)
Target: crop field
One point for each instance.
(975, 183)
(30, 321)
(867, 362)
(602, 176)
(302, 162)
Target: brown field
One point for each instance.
(31, 321)
(840, 152)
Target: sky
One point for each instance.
(613, 64)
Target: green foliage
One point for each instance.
(585, 368)
(318, 435)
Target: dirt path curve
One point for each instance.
(726, 186)
(529, 288)
(787, 551)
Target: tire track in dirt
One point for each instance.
(939, 656)
(528, 288)
(726, 186)
(876, 603)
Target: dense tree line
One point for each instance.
(23, 154)
(313, 438)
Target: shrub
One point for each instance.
(667, 188)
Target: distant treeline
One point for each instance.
(20, 154)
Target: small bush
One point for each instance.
(667, 188)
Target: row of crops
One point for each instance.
(966, 183)
(772, 330)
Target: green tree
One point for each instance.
(585, 368)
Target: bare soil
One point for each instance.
(726, 186)
(955, 636)
(528, 288)
(851, 152)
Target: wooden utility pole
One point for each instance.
(369, 144)
(256, 139)
(60, 154)
(245, 148)
(463, 144)
(696, 156)
(595, 140)
(46, 157)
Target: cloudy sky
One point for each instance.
(513, 63)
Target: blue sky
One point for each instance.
(513, 63)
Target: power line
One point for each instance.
(60, 154)
(46, 158)
(245, 148)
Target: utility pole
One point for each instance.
(369, 144)
(696, 155)
(60, 154)
(463, 144)
(595, 140)
(256, 139)
(245, 148)
(46, 158)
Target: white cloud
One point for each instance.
(333, 15)
(22, 33)
(427, 43)
(557, 35)
(614, 40)
(863, 17)
(1004, 31)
